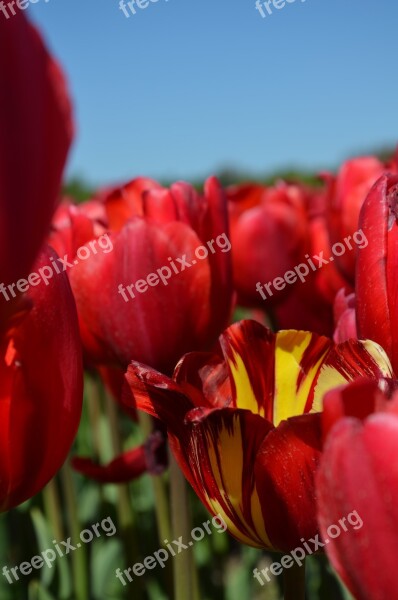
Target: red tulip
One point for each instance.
(377, 270)
(40, 366)
(358, 475)
(242, 427)
(177, 243)
(42, 384)
(36, 130)
(344, 317)
(346, 194)
(268, 238)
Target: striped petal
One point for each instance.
(220, 449)
(286, 374)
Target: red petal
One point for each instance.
(358, 476)
(41, 395)
(285, 470)
(122, 469)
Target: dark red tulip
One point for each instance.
(36, 131)
(346, 194)
(377, 270)
(358, 479)
(41, 364)
(42, 383)
(163, 286)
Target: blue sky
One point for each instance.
(186, 87)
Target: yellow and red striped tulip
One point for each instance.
(244, 423)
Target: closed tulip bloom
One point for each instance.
(344, 317)
(269, 237)
(346, 195)
(164, 287)
(358, 480)
(244, 424)
(377, 270)
(36, 131)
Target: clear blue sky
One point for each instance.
(185, 87)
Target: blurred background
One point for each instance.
(184, 88)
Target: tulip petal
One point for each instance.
(157, 395)
(216, 452)
(124, 468)
(156, 340)
(39, 409)
(284, 472)
(358, 478)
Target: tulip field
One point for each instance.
(198, 398)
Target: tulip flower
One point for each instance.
(40, 350)
(165, 285)
(344, 317)
(377, 271)
(346, 194)
(36, 131)
(358, 475)
(244, 423)
(269, 232)
(42, 387)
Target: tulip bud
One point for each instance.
(377, 268)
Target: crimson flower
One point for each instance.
(345, 196)
(40, 351)
(359, 473)
(377, 275)
(164, 285)
(269, 231)
(244, 423)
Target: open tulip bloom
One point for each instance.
(244, 423)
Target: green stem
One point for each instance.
(53, 509)
(183, 564)
(162, 507)
(294, 583)
(94, 412)
(126, 517)
(79, 557)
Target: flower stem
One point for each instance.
(294, 583)
(183, 564)
(79, 558)
(162, 507)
